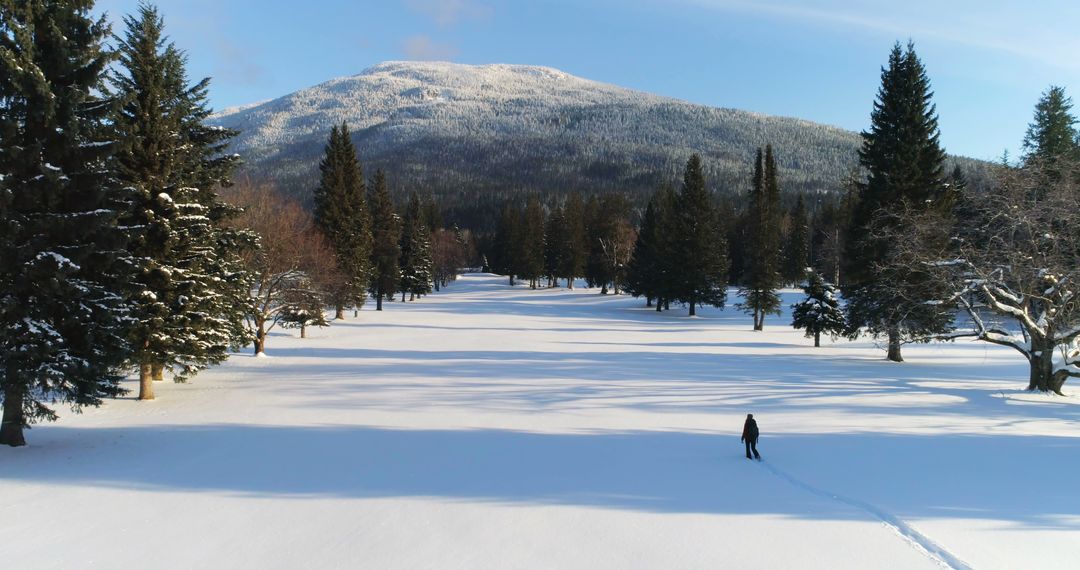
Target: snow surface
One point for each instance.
(491, 427)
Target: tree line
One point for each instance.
(909, 243)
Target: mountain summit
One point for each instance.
(495, 130)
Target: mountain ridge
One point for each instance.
(478, 135)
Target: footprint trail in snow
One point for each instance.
(919, 541)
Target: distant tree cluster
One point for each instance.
(577, 239)
(681, 250)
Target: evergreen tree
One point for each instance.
(1051, 133)
(62, 256)
(668, 271)
(506, 260)
(700, 247)
(555, 246)
(577, 252)
(385, 248)
(342, 215)
(643, 275)
(904, 162)
(763, 256)
(797, 252)
(820, 312)
(432, 215)
(605, 221)
(532, 242)
(187, 291)
(416, 264)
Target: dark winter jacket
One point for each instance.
(749, 430)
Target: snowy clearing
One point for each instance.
(490, 427)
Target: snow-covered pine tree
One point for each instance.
(62, 256)
(700, 247)
(342, 215)
(385, 244)
(904, 163)
(187, 290)
(797, 250)
(762, 277)
(416, 264)
(820, 311)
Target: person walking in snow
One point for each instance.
(750, 436)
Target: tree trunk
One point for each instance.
(339, 313)
(659, 305)
(436, 285)
(570, 283)
(693, 308)
(303, 330)
(260, 337)
(667, 305)
(157, 370)
(11, 429)
(146, 381)
(402, 296)
(603, 289)
(817, 339)
(1043, 377)
(648, 302)
(511, 280)
(894, 345)
(378, 301)
(759, 319)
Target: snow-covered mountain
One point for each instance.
(488, 130)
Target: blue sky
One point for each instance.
(819, 60)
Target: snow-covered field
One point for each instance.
(490, 427)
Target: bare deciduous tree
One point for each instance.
(291, 269)
(1012, 264)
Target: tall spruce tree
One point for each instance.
(416, 264)
(532, 242)
(762, 277)
(904, 164)
(555, 246)
(506, 256)
(643, 275)
(700, 246)
(385, 247)
(341, 213)
(605, 218)
(797, 250)
(1052, 134)
(577, 252)
(63, 322)
(187, 294)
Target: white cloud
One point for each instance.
(1040, 30)
(424, 48)
(447, 13)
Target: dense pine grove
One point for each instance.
(127, 249)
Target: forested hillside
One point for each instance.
(477, 135)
